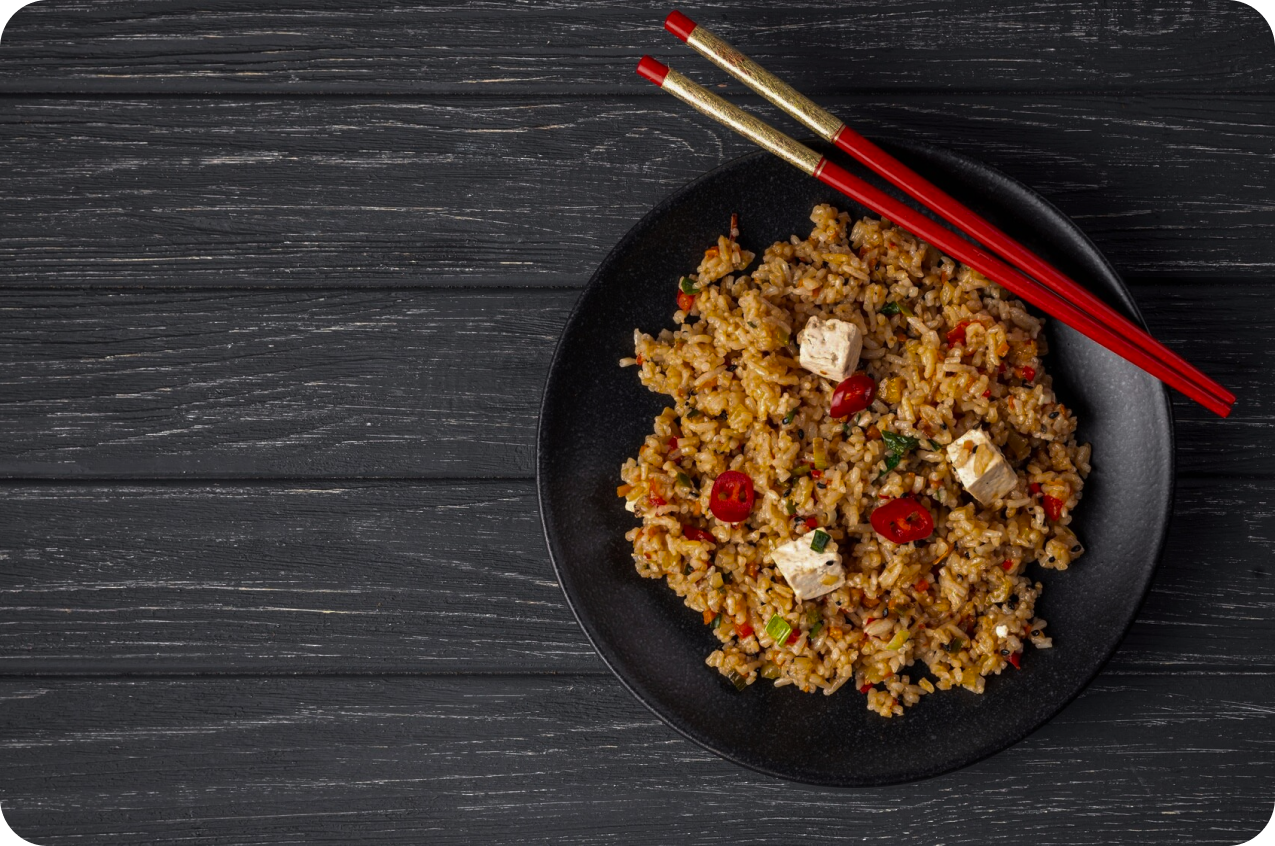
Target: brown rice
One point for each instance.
(960, 601)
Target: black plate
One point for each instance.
(596, 414)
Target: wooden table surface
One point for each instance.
(280, 284)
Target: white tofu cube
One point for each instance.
(810, 574)
(981, 467)
(830, 348)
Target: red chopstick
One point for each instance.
(923, 227)
(947, 207)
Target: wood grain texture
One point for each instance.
(555, 47)
(451, 577)
(410, 383)
(578, 760)
(344, 192)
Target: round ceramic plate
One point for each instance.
(596, 414)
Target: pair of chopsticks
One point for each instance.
(1051, 291)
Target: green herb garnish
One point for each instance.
(790, 508)
(801, 470)
(935, 444)
(778, 629)
(896, 446)
(692, 413)
(683, 479)
(890, 308)
(902, 444)
(788, 418)
(687, 285)
(818, 627)
(819, 540)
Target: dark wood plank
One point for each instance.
(301, 383)
(451, 577)
(340, 192)
(444, 578)
(578, 760)
(412, 382)
(509, 47)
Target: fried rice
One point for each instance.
(949, 352)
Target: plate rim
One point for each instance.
(590, 288)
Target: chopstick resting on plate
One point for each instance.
(1056, 294)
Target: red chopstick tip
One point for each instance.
(679, 24)
(652, 70)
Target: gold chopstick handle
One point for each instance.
(754, 76)
(767, 137)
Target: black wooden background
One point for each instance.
(280, 284)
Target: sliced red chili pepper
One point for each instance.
(986, 394)
(1015, 660)
(865, 688)
(812, 523)
(1034, 487)
(816, 474)
(657, 501)
(792, 638)
(922, 586)
(685, 300)
(639, 359)
(1053, 507)
(1029, 374)
(1007, 565)
(853, 395)
(957, 335)
(695, 533)
(731, 500)
(743, 630)
(902, 520)
(672, 443)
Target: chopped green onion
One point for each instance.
(778, 629)
(683, 479)
(890, 308)
(752, 324)
(687, 284)
(717, 621)
(788, 418)
(845, 430)
(790, 508)
(812, 615)
(935, 444)
(736, 679)
(692, 413)
(801, 470)
(769, 670)
(899, 639)
(907, 312)
(818, 627)
(955, 645)
(819, 540)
